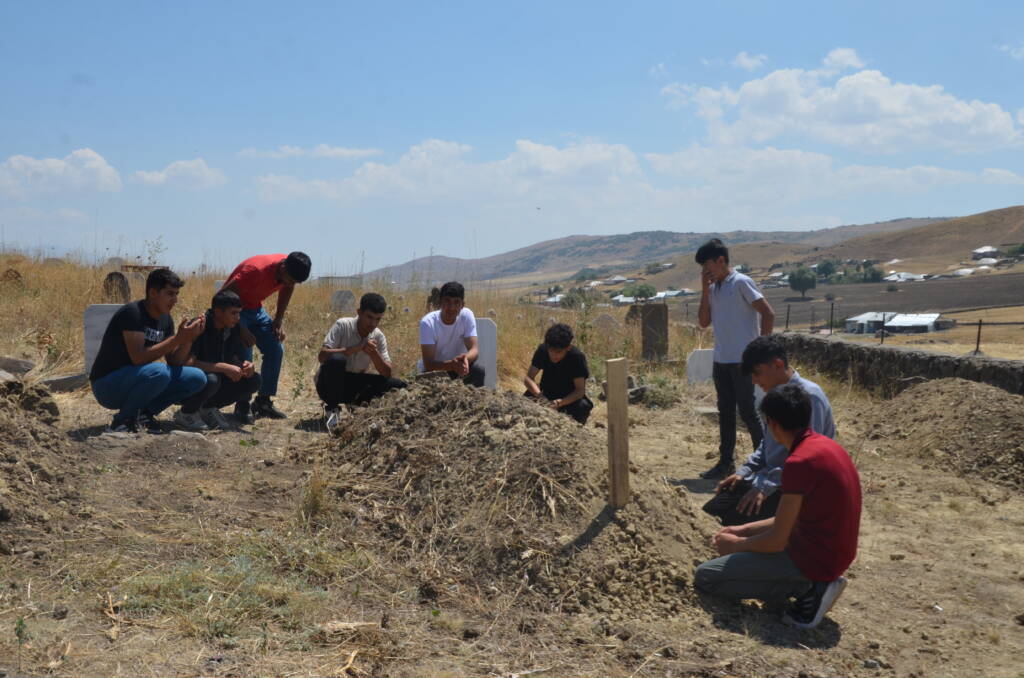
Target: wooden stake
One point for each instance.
(618, 432)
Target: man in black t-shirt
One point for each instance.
(564, 383)
(127, 375)
(220, 353)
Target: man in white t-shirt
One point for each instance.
(733, 305)
(448, 340)
(351, 347)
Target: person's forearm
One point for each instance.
(383, 367)
(704, 312)
(572, 397)
(767, 322)
(766, 541)
(284, 296)
(753, 529)
(531, 386)
(472, 354)
(179, 356)
(203, 365)
(150, 354)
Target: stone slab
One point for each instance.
(116, 288)
(67, 382)
(7, 376)
(343, 301)
(487, 343)
(654, 331)
(96, 319)
(16, 366)
(606, 323)
(699, 365)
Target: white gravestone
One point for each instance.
(699, 365)
(97, 317)
(343, 301)
(487, 343)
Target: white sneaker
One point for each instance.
(190, 421)
(334, 417)
(214, 418)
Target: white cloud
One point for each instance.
(659, 71)
(749, 62)
(22, 176)
(192, 174)
(863, 110)
(318, 151)
(1014, 52)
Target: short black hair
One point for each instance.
(373, 302)
(711, 250)
(160, 278)
(558, 336)
(226, 299)
(453, 290)
(298, 266)
(761, 351)
(789, 406)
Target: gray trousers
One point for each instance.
(764, 576)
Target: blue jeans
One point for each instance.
(152, 387)
(258, 322)
(764, 576)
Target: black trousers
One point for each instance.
(578, 410)
(335, 385)
(474, 378)
(735, 392)
(723, 505)
(220, 391)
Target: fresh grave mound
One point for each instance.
(972, 428)
(484, 494)
(34, 455)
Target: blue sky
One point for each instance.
(235, 128)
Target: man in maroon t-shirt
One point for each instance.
(803, 551)
(254, 280)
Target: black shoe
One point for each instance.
(118, 425)
(809, 609)
(243, 413)
(149, 423)
(264, 407)
(718, 471)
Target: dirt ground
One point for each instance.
(236, 554)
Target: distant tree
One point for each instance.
(827, 267)
(639, 291)
(870, 274)
(830, 297)
(803, 279)
(579, 297)
(652, 269)
(672, 288)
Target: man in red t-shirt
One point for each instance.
(253, 281)
(803, 551)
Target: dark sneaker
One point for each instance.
(718, 471)
(264, 407)
(809, 609)
(123, 426)
(243, 414)
(150, 424)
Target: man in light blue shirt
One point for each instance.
(733, 305)
(751, 494)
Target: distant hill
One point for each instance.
(561, 258)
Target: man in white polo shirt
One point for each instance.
(733, 305)
(448, 339)
(350, 349)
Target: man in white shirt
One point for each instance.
(351, 347)
(739, 313)
(448, 341)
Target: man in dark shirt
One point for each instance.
(253, 281)
(127, 375)
(803, 551)
(564, 383)
(219, 352)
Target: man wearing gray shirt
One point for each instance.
(751, 494)
(733, 305)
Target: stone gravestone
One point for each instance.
(97, 317)
(699, 365)
(487, 343)
(343, 301)
(654, 331)
(138, 285)
(116, 289)
(606, 324)
(114, 262)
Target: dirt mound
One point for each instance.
(34, 456)
(972, 428)
(487, 494)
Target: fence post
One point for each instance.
(977, 345)
(831, 318)
(812, 320)
(788, 306)
(618, 432)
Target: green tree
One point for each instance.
(827, 267)
(803, 279)
(870, 274)
(639, 291)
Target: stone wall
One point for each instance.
(890, 369)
